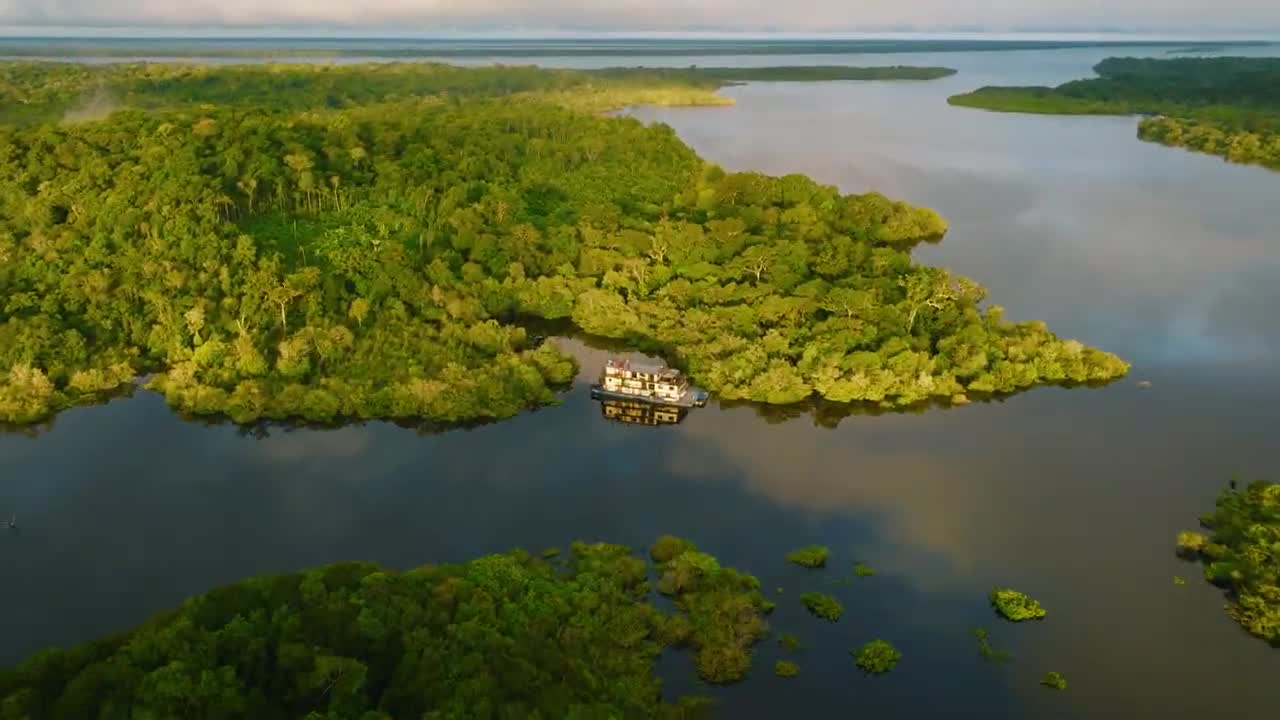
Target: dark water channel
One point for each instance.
(1169, 259)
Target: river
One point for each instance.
(1167, 258)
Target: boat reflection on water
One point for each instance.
(635, 412)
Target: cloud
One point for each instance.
(408, 16)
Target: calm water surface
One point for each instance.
(1170, 259)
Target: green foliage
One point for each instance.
(668, 548)
(823, 606)
(1243, 555)
(330, 242)
(786, 669)
(789, 642)
(724, 608)
(863, 571)
(999, 657)
(810, 556)
(502, 636)
(1015, 606)
(1191, 544)
(1054, 681)
(1226, 106)
(876, 657)
(1179, 580)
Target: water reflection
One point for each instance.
(641, 413)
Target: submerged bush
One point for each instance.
(668, 548)
(1054, 681)
(863, 571)
(1243, 555)
(811, 556)
(725, 608)
(1191, 544)
(823, 605)
(999, 657)
(876, 657)
(786, 668)
(789, 642)
(1015, 606)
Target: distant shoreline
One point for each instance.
(393, 48)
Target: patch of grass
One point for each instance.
(1054, 681)
(876, 657)
(823, 605)
(1016, 606)
(811, 556)
(786, 668)
(1179, 580)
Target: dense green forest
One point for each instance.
(1242, 554)
(504, 636)
(1222, 106)
(319, 242)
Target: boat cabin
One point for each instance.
(646, 381)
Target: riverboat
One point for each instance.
(623, 379)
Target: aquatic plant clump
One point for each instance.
(1191, 544)
(786, 668)
(1054, 681)
(1242, 555)
(863, 571)
(823, 606)
(1016, 606)
(811, 556)
(789, 642)
(991, 654)
(876, 657)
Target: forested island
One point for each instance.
(325, 242)
(1242, 554)
(1226, 106)
(502, 636)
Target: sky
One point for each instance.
(795, 16)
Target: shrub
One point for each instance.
(1054, 681)
(863, 571)
(1191, 544)
(812, 556)
(876, 657)
(670, 547)
(1015, 606)
(786, 668)
(823, 605)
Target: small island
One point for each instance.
(325, 243)
(1222, 106)
(1241, 555)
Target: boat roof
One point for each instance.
(640, 367)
